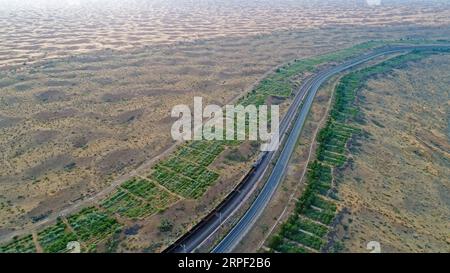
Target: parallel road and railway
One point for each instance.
(290, 129)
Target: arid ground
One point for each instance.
(40, 29)
(87, 88)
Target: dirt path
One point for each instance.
(36, 243)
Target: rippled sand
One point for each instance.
(34, 29)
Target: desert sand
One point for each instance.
(33, 30)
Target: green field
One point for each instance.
(190, 182)
(156, 197)
(127, 205)
(54, 239)
(138, 198)
(92, 225)
(186, 171)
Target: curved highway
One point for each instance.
(295, 119)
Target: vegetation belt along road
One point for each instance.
(294, 118)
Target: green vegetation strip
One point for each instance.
(19, 245)
(307, 227)
(282, 82)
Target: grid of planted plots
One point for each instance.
(138, 198)
(89, 226)
(186, 172)
(307, 228)
(134, 199)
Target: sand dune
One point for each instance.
(33, 30)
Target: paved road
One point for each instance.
(295, 118)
